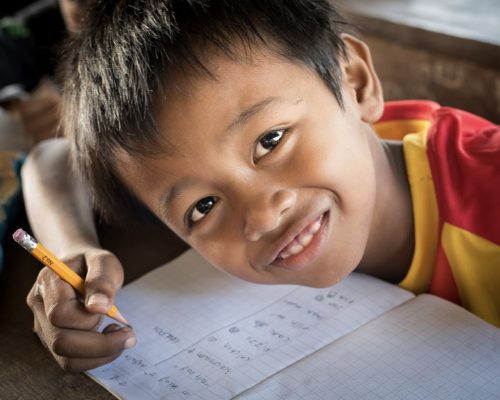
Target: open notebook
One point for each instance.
(205, 335)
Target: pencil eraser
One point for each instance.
(24, 239)
(19, 235)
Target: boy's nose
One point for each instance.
(265, 212)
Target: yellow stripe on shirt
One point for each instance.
(474, 262)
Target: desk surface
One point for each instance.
(26, 367)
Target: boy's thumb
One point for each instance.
(104, 278)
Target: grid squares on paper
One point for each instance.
(427, 348)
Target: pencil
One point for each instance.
(55, 264)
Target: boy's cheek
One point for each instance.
(228, 256)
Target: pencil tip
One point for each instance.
(120, 318)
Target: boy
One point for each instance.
(246, 127)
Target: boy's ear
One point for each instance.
(361, 81)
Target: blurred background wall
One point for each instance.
(443, 50)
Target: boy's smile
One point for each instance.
(265, 175)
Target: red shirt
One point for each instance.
(453, 164)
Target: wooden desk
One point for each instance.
(27, 370)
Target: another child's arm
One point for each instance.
(61, 218)
(40, 111)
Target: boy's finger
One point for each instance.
(72, 343)
(49, 285)
(45, 327)
(71, 315)
(87, 344)
(36, 325)
(104, 278)
(62, 306)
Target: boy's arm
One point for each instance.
(57, 204)
(61, 218)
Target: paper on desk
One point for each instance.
(203, 334)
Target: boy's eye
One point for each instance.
(201, 208)
(267, 143)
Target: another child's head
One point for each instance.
(73, 13)
(243, 125)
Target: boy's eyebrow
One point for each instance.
(175, 191)
(250, 111)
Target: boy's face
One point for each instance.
(269, 179)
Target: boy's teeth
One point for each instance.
(301, 241)
(296, 248)
(306, 239)
(315, 227)
(284, 254)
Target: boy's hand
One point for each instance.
(66, 326)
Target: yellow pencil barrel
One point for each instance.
(112, 311)
(51, 261)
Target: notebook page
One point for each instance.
(203, 334)
(427, 348)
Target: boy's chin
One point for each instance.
(328, 280)
(324, 283)
(321, 282)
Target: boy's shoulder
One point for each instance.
(453, 164)
(463, 154)
(463, 151)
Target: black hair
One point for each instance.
(117, 67)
